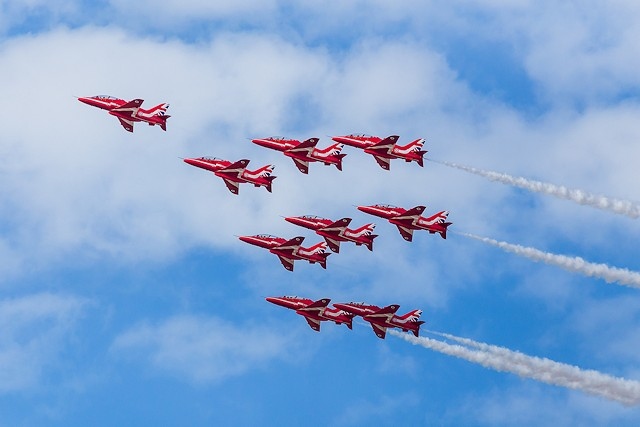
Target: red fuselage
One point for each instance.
(410, 219)
(314, 311)
(303, 153)
(289, 250)
(129, 112)
(361, 141)
(383, 318)
(235, 172)
(336, 231)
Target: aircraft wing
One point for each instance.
(305, 148)
(129, 109)
(405, 232)
(316, 306)
(411, 216)
(384, 162)
(235, 169)
(333, 244)
(286, 263)
(301, 165)
(290, 246)
(380, 331)
(233, 186)
(385, 146)
(337, 227)
(313, 323)
(384, 314)
(126, 124)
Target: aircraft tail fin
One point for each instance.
(416, 331)
(163, 123)
(323, 260)
(269, 180)
(420, 159)
(339, 162)
(445, 225)
(349, 322)
(158, 110)
(369, 244)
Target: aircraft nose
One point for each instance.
(85, 100)
(341, 306)
(292, 219)
(190, 161)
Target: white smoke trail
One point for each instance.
(623, 207)
(541, 369)
(609, 274)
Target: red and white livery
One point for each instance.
(303, 153)
(314, 312)
(385, 149)
(129, 112)
(236, 173)
(335, 232)
(383, 318)
(290, 250)
(409, 220)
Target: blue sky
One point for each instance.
(126, 299)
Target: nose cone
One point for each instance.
(295, 220)
(341, 139)
(256, 240)
(274, 300)
(248, 239)
(367, 209)
(86, 100)
(191, 162)
(343, 307)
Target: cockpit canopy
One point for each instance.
(310, 217)
(107, 97)
(265, 236)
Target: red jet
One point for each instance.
(233, 174)
(290, 250)
(336, 232)
(383, 150)
(383, 318)
(314, 312)
(409, 220)
(129, 112)
(305, 152)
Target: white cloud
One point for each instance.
(33, 330)
(201, 349)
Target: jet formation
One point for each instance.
(334, 232)
(129, 112)
(380, 318)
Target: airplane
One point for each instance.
(383, 318)
(383, 150)
(290, 250)
(411, 219)
(302, 153)
(129, 112)
(233, 174)
(336, 232)
(314, 312)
